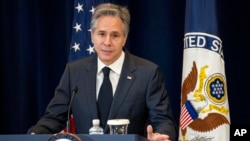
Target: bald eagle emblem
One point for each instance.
(202, 99)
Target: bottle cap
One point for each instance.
(95, 121)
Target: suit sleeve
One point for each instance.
(160, 112)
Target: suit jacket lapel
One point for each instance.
(91, 91)
(126, 80)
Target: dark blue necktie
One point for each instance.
(105, 97)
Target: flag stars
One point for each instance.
(76, 47)
(92, 10)
(81, 45)
(217, 89)
(90, 49)
(77, 27)
(79, 7)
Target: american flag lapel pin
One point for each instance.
(129, 77)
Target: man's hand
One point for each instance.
(156, 136)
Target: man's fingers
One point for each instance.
(150, 131)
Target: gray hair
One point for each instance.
(108, 9)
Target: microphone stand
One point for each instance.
(74, 91)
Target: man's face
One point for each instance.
(108, 39)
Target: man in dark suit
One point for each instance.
(138, 88)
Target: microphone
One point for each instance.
(74, 91)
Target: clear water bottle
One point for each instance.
(96, 128)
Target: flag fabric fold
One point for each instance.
(204, 100)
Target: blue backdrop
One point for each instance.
(35, 40)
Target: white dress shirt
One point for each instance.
(115, 72)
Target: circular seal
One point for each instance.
(216, 88)
(64, 137)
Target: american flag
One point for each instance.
(188, 114)
(81, 45)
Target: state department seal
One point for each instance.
(64, 137)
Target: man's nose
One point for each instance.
(107, 40)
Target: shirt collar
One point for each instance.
(115, 67)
